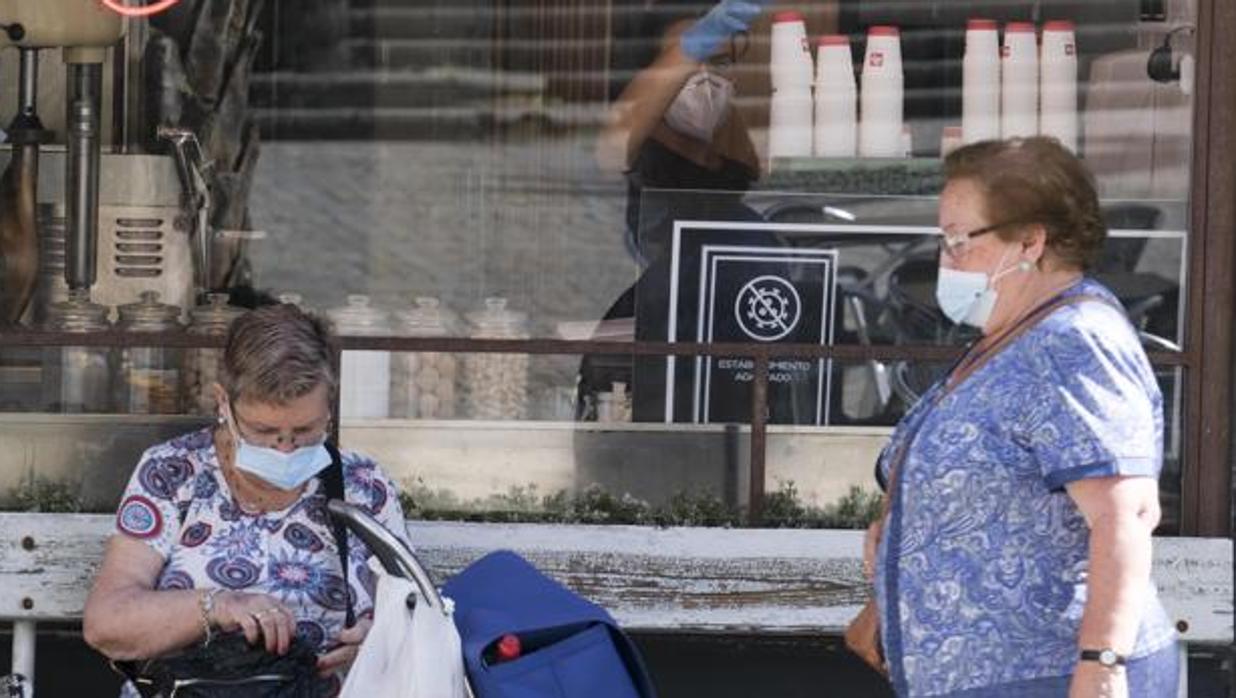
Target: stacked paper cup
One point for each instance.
(836, 99)
(1058, 83)
(883, 90)
(980, 82)
(790, 108)
(790, 60)
(1019, 81)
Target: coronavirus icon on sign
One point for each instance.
(767, 308)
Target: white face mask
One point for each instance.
(701, 105)
(970, 296)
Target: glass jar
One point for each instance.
(77, 379)
(365, 383)
(423, 383)
(203, 366)
(148, 379)
(496, 385)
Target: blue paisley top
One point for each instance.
(179, 504)
(981, 572)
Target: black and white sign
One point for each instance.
(761, 290)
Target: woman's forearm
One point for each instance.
(641, 105)
(1120, 563)
(140, 624)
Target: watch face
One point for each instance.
(1108, 658)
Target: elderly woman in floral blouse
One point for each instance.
(1016, 557)
(225, 529)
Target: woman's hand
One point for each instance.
(349, 644)
(1093, 680)
(871, 542)
(257, 616)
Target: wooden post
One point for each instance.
(24, 633)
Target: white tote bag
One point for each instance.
(408, 653)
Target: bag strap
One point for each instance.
(974, 359)
(332, 486)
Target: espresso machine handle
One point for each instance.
(193, 168)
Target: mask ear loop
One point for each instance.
(229, 421)
(1023, 266)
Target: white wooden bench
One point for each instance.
(758, 581)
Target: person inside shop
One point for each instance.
(675, 124)
(673, 127)
(224, 531)
(1015, 554)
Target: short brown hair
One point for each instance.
(1036, 180)
(276, 354)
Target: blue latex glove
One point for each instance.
(702, 39)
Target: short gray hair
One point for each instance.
(276, 354)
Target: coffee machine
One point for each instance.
(90, 219)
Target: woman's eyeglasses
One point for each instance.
(957, 245)
(265, 437)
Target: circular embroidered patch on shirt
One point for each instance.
(139, 517)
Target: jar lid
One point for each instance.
(149, 315)
(426, 319)
(78, 314)
(496, 321)
(358, 317)
(214, 315)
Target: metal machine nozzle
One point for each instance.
(82, 174)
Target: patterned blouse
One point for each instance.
(179, 504)
(981, 572)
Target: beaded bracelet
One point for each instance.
(206, 602)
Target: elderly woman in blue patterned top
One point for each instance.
(225, 529)
(1016, 558)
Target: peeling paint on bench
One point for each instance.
(791, 582)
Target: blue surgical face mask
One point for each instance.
(969, 296)
(287, 471)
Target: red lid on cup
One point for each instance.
(788, 16)
(834, 40)
(883, 30)
(1019, 27)
(1059, 25)
(981, 25)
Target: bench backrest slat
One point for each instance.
(684, 579)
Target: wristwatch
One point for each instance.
(1106, 657)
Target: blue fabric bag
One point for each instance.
(571, 648)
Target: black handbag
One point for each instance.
(229, 667)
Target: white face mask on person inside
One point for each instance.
(701, 105)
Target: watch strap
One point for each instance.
(1106, 657)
